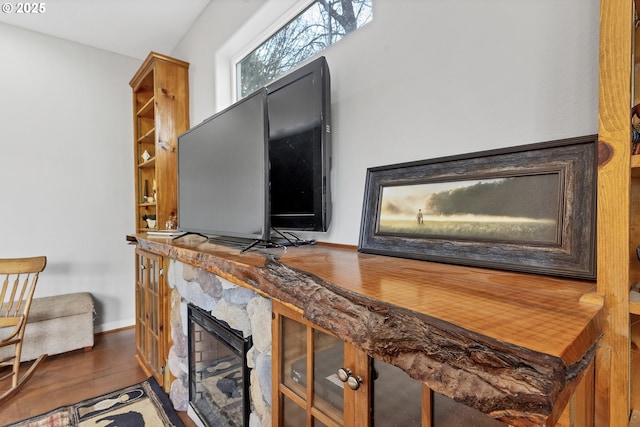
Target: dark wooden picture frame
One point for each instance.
(529, 208)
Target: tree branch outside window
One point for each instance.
(319, 26)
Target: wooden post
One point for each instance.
(614, 185)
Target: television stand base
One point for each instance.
(187, 233)
(246, 244)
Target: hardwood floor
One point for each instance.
(75, 376)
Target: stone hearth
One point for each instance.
(243, 309)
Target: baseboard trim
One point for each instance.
(111, 331)
(113, 326)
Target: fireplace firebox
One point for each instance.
(218, 371)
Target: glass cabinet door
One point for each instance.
(448, 412)
(149, 314)
(309, 390)
(141, 303)
(397, 398)
(328, 389)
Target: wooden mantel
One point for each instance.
(511, 345)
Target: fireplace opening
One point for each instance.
(218, 372)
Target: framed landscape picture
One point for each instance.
(528, 208)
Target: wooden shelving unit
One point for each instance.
(160, 114)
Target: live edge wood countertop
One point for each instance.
(511, 345)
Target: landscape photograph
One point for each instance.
(513, 209)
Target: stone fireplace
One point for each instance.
(242, 310)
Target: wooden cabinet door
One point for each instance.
(150, 315)
(358, 388)
(307, 366)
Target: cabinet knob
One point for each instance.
(344, 374)
(354, 382)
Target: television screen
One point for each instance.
(223, 175)
(300, 148)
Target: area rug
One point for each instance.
(143, 404)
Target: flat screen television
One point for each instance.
(300, 148)
(223, 173)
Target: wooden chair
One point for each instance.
(18, 278)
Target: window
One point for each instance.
(320, 25)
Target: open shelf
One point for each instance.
(634, 302)
(635, 165)
(147, 110)
(151, 163)
(148, 137)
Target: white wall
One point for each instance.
(424, 79)
(66, 168)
